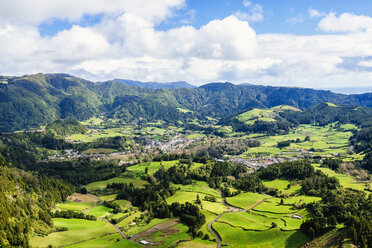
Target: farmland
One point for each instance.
(240, 218)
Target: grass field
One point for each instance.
(200, 243)
(250, 221)
(346, 181)
(99, 211)
(281, 185)
(142, 228)
(78, 230)
(124, 178)
(108, 197)
(245, 200)
(326, 140)
(109, 241)
(198, 187)
(237, 237)
(167, 237)
(75, 206)
(272, 205)
(152, 167)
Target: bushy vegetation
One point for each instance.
(66, 127)
(25, 203)
(348, 207)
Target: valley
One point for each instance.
(138, 171)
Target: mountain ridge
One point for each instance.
(34, 100)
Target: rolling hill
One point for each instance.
(34, 100)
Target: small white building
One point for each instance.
(296, 216)
(144, 242)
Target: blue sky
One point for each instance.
(304, 43)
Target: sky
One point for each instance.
(297, 43)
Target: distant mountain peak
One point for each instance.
(156, 85)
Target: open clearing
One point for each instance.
(78, 230)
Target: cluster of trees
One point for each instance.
(205, 130)
(66, 127)
(353, 208)
(286, 143)
(25, 201)
(362, 140)
(272, 127)
(290, 170)
(323, 114)
(318, 185)
(188, 213)
(69, 214)
(80, 172)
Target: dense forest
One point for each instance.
(35, 100)
(25, 202)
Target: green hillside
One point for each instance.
(34, 100)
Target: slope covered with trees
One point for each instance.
(34, 100)
(25, 202)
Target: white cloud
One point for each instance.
(254, 14)
(313, 13)
(345, 22)
(128, 45)
(295, 20)
(37, 11)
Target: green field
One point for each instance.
(325, 140)
(198, 187)
(135, 229)
(246, 200)
(124, 178)
(273, 206)
(99, 211)
(346, 181)
(75, 206)
(197, 243)
(78, 230)
(281, 185)
(165, 239)
(109, 241)
(250, 221)
(139, 169)
(237, 237)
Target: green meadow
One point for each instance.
(237, 237)
(246, 200)
(78, 231)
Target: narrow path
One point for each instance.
(231, 208)
(215, 233)
(117, 228)
(98, 202)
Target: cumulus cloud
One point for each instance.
(37, 11)
(127, 44)
(255, 12)
(345, 22)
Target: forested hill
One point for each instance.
(34, 100)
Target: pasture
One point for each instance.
(245, 200)
(74, 206)
(78, 231)
(237, 237)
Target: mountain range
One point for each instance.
(34, 100)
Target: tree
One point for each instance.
(307, 138)
(198, 201)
